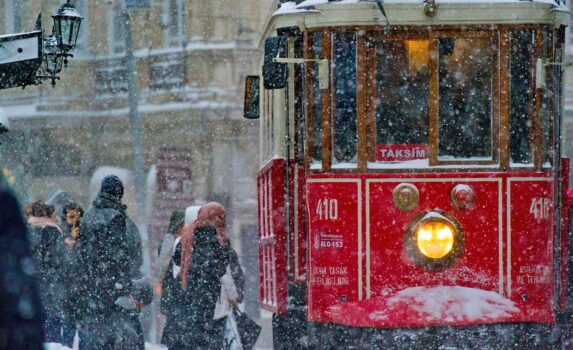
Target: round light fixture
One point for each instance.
(462, 196)
(406, 196)
(434, 240)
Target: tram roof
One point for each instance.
(325, 13)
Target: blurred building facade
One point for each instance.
(192, 57)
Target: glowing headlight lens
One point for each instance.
(435, 239)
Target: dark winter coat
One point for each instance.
(71, 281)
(48, 253)
(208, 264)
(173, 305)
(21, 314)
(104, 263)
(134, 248)
(237, 273)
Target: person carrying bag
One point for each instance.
(247, 329)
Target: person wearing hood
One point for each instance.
(48, 253)
(171, 293)
(59, 199)
(106, 271)
(73, 213)
(206, 254)
(166, 251)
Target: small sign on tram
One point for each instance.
(401, 153)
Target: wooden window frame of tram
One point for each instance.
(499, 34)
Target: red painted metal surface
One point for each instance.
(335, 225)
(564, 230)
(297, 223)
(272, 236)
(360, 274)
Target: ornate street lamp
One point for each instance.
(29, 58)
(67, 26)
(53, 60)
(56, 46)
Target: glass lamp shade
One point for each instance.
(53, 64)
(67, 26)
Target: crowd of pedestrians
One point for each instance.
(88, 267)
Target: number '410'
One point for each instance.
(327, 209)
(540, 208)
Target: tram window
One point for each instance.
(401, 100)
(520, 104)
(465, 98)
(344, 109)
(549, 96)
(299, 102)
(315, 110)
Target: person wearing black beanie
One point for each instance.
(113, 186)
(107, 267)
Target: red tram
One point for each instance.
(412, 192)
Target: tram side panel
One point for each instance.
(272, 232)
(565, 249)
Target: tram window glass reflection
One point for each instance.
(520, 102)
(401, 101)
(465, 98)
(548, 99)
(344, 107)
(299, 103)
(315, 110)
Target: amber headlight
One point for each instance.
(434, 240)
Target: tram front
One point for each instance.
(425, 155)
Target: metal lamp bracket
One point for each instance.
(323, 72)
(541, 71)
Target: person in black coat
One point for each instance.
(169, 262)
(72, 213)
(209, 261)
(172, 304)
(21, 312)
(48, 254)
(105, 269)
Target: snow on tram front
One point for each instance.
(412, 190)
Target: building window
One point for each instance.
(167, 71)
(111, 77)
(116, 29)
(173, 22)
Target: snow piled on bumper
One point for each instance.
(417, 306)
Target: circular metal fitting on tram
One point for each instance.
(462, 196)
(434, 240)
(406, 196)
(431, 9)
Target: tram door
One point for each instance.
(294, 172)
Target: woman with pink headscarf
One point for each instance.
(205, 256)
